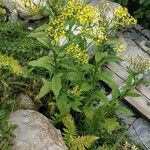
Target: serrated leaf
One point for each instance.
(62, 103)
(103, 97)
(110, 58)
(46, 88)
(56, 85)
(125, 110)
(83, 142)
(105, 77)
(133, 94)
(89, 113)
(75, 104)
(86, 87)
(43, 62)
(99, 56)
(72, 76)
(41, 37)
(111, 124)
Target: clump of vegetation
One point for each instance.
(5, 127)
(70, 57)
(75, 86)
(139, 9)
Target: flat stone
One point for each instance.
(139, 132)
(34, 132)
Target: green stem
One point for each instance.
(55, 62)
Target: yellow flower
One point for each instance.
(123, 18)
(11, 63)
(56, 30)
(75, 91)
(120, 47)
(139, 63)
(81, 56)
(86, 14)
(83, 13)
(97, 34)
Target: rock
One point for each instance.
(34, 132)
(112, 5)
(139, 132)
(26, 102)
(24, 9)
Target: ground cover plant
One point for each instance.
(70, 58)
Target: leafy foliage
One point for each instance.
(76, 78)
(70, 55)
(71, 137)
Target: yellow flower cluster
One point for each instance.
(96, 33)
(56, 30)
(75, 91)
(81, 56)
(99, 35)
(139, 63)
(83, 13)
(123, 18)
(120, 47)
(11, 63)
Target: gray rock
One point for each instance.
(22, 9)
(26, 102)
(139, 132)
(110, 12)
(34, 132)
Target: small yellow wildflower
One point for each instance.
(139, 63)
(56, 30)
(86, 14)
(81, 56)
(83, 13)
(11, 63)
(120, 47)
(123, 18)
(75, 91)
(97, 34)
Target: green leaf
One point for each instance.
(88, 111)
(75, 104)
(56, 85)
(111, 124)
(125, 110)
(105, 77)
(110, 58)
(67, 65)
(99, 56)
(103, 97)
(62, 103)
(46, 88)
(41, 37)
(86, 87)
(112, 41)
(133, 94)
(44, 62)
(73, 76)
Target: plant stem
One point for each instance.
(55, 62)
